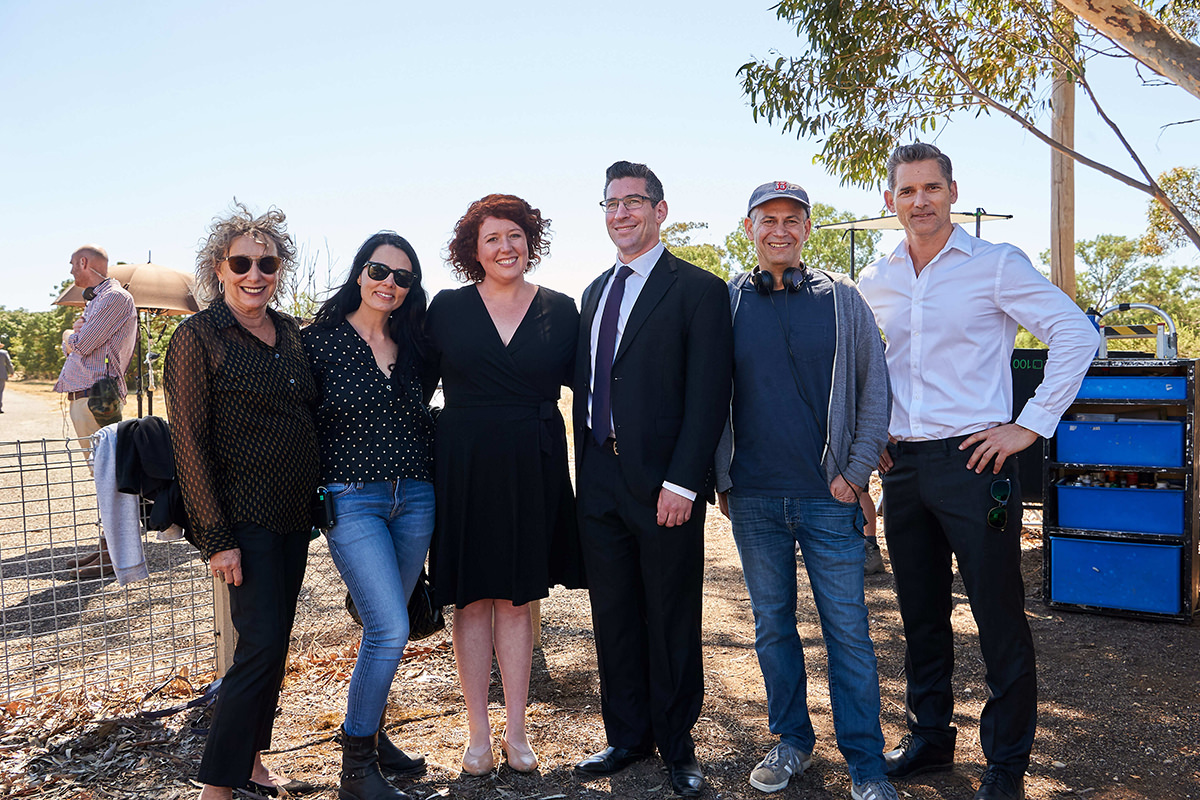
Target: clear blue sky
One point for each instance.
(132, 124)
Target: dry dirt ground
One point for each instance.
(1119, 714)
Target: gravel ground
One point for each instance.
(1119, 715)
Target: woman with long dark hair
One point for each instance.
(367, 350)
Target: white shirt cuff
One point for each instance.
(679, 490)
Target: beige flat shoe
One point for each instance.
(478, 765)
(520, 760)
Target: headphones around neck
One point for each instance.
(89, 293)
(764, 282)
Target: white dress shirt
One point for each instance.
(950, 332)
(641, 267)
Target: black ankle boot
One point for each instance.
(395, 761)
(392, 759)
(361, 778)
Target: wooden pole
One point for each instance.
(1062, 187)
(535, 620)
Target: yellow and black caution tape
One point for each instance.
(1120, 331)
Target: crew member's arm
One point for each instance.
(103, 317)
(1026, 296)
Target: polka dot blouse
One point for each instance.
(370, 427)
(242, 428)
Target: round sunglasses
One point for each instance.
(1001, 490)
(267, 265)
(403, 278)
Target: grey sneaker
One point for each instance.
(873, 790)
(774, 771)
(874, 562)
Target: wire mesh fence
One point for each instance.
(60, 630)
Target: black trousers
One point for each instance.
(263, 609)
(936, 508)
(646, 584)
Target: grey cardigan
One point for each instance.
(860, 401)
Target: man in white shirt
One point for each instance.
(949, 305)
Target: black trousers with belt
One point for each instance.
(646, 584)
(936, 508)
(263, 609)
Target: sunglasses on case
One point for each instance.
(267, 265)
(403, 278)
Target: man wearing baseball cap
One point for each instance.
(808, 422)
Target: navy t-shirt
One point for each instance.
(781, 414)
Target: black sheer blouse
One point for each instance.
(370, 427)
(242, 427)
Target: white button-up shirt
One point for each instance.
(950, 332)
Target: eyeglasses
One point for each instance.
(403, 278)
(1001, 490)
(267, 265)
(631, 202)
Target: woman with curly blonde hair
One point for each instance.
(241, 399)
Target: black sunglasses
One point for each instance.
(403, 278)
(1001, 490)
(267, 265)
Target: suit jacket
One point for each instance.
(671, 378)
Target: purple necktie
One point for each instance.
(606, 350)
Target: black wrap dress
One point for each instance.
(506, 526)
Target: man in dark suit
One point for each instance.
(652, 388)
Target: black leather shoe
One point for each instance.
(291, 787)
(914, 756)
(612, 760)
(1000, 784)
(686, 778)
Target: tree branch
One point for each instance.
(1144, 37)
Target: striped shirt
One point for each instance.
(108, 334)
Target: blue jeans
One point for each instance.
(379, 545)
(766, 530)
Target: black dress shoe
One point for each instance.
(270, 790)
(612, 760)
(1000, 784)
(686, 778)
(914, 756)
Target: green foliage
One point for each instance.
(1182, 15)
(1163, 232)
(34, 338)
(678, 240)
(879, 70)
(1112, 266)
(827, 250)
(830, 250)
(876, 72)
(1118, 271)
(739, 250)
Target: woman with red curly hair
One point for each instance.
(505, 530)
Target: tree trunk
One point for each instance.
(1144, 37)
